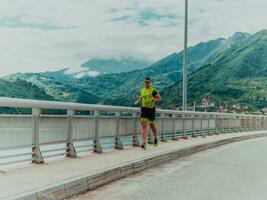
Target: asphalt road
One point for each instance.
(231, 172)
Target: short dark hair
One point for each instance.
(147, 79)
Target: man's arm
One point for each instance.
(156, 96)
(138, 101)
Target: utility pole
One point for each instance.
(185, 58)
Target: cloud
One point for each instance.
(18, 22)
(143, 17)
(55, 34)
(79, 72)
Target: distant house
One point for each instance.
(257, 112)
(212, 104)
(205, 103)
(264, 110)
(237, 106)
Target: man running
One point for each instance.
(149, 95)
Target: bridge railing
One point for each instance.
(103, 125)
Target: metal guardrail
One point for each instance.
(37, 129)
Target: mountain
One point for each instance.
(69, 74)
(123, 88)
(107, 66)
(21, 89)
(96, 67)
(235, 76)
(17, 88)
(57, 75)
(60, 90)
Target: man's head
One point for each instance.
(147, 82)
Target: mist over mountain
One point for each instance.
(96, 67)
(115, 66)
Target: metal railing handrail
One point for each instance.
(41, 104)
(106, 121)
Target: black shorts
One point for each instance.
(148, 113)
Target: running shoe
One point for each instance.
(143, 146)
(155, 142)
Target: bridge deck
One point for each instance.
(33, 178)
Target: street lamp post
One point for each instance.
(185, 59)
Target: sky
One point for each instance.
(47, 35)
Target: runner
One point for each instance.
(149, 95)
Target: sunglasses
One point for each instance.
(147, 82)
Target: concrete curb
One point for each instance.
(89, 182)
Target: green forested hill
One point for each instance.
(223, 70)
(123, 88)
(69, 91)
(21, 89)
(237, 75)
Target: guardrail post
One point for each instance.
(222, 125)
(245, 127)
(118, 144)
(135, 136)
(201, 126)
(162, 138)
(247, 124)
(97, 146)
(70, 149)
(217, 125)
(184, 126)
(193, 126)
(262, 123)
(209, 133)
(252, 124)
(257, 123)
(252, 121)
(240, 123)
(36, 152)
(229, 124)
(237, 123)
(174, 136)
(234, 119)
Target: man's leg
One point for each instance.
(154, 130)
(144, 130)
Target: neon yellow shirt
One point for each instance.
(148, 97)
